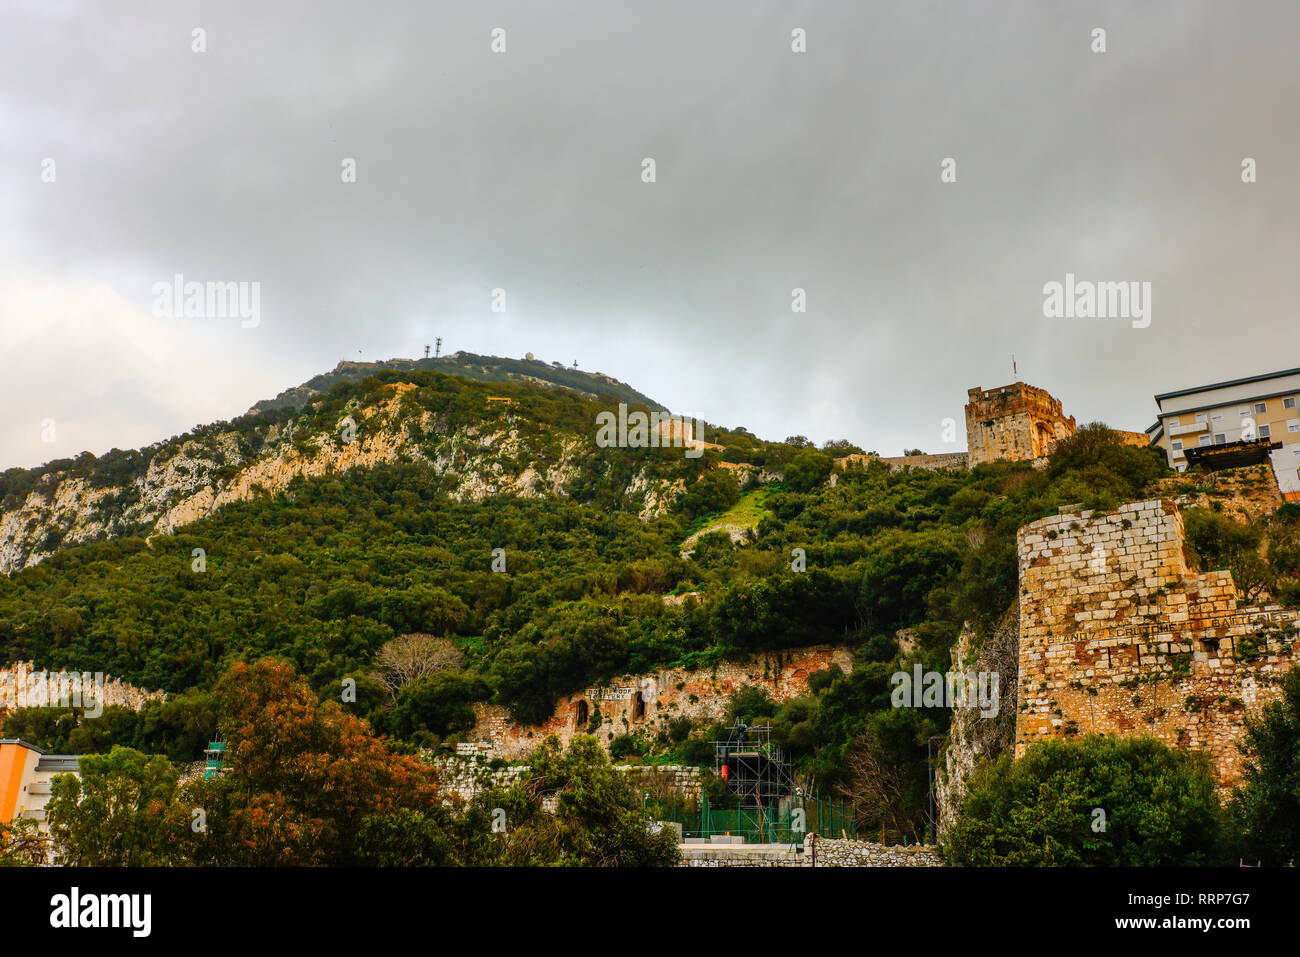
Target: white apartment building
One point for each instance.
(1262, 407)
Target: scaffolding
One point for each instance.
(755, 769)
(769, 807)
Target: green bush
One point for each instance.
(1159, 807)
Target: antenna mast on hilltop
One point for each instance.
(437, 347)
(426, 352)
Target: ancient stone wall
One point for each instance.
(942, 460)
(645, 704)
(1140, 439)
(1119, 636)
(1013, 423)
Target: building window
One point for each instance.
(1293, 425)
(1202, 416)
(1205, 440)
(1220, 439)
(1177, 445)
(1264, 432)
(1288, 402)
(1173, 422)
(1216, 417)
(1261, 407)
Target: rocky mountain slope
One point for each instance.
(467, 365)
(479, 428)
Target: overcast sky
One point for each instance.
(523, 171)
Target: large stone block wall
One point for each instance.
(1119, 636)
(645, 704)
(1013, 423)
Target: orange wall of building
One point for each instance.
(13, 765)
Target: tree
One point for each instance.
(120, 812)
(408, 658)
(1219, 542)
(1099, 801)
(714, 491)
(885, 773)
(301, 777)
(598, 819)
(807, 470)
(1266, 808)
(439, 704)
(21, 844)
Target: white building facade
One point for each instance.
(1254, 408)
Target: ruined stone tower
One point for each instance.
(1119, 636)
(1013, 423)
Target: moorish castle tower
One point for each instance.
(1013, 423)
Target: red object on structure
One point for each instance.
(725, 772)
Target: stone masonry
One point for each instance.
(1119, 636)
(932, 463)
(830, 853)
(1013, 423)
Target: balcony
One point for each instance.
(1188, 429)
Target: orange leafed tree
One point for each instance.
(300, 775)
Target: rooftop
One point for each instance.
(1227, 384)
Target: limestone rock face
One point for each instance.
(22, 685)
(187, 481)
(646, 703)
(972, 737)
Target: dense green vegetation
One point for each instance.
(1263, 555)
(306, 784)
(1266, 808)
(327, 572)
(1099, 801)
(464, 365)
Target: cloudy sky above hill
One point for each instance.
(522, 170)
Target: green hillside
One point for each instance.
(467, 365)
(326, 570)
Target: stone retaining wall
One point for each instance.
(830, 853)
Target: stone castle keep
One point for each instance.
(1014, 423)
(1119, 636)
